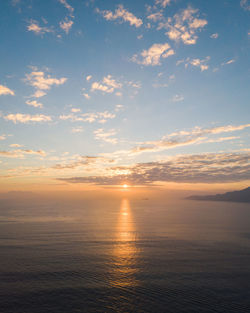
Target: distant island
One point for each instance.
(234, 196)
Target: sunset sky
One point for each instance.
(105, 93)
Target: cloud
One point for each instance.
(15, 145)
(86, 95)
(100, 117)
(163, 3)
(157, 16)
(75, 130)
(200, 63)
(245, 4)
(3, 137)
(228, 62)
(100, 134)
(121, 14)
(6, 91)
(34, 103)
(38, 94)
(38, 80)
(214, 36)
(108, 85)
(67, 6)
(88, 77)
(177, 98)
(38, 30)
(74, 110)
(197, 135)
(66, 25)
(27, 118)
(153, 55)
(184, 26)
(19, 153)
(201, 168)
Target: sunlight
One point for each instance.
(125, 186)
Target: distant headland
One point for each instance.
(234, 196)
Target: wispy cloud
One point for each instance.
(6, 91)
(121, 14)
(19, 153)
(197, 135)
(27, 118)
(67, 6)
(34, 103)
(163, 3)
(153, 55)
(100, 117)
(75, 130)
(107, 136)
(228, 62)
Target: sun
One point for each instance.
(125, 186)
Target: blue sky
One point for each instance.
(106, 92)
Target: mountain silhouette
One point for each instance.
(234, 196)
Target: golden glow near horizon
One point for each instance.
(125, 186)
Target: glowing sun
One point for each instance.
(125, 186)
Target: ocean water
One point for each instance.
(124, 255)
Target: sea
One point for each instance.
(124, 255)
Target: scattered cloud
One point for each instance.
(66, 25)
(101, 134)
(3, 137)
(37, 29)
(121, 14)
(108, 85)
(27, 118)
(184, 26)
(228, 62)
(214, 36)
(177, 98)
(75, 130)
(88, 77)
(41, 82)
(200, 63)
(157, 16)
(163, 3)
(245, 4)
(153, 55)
(34, 103)
(74, 110)
(67, 6)
(86, 95)
(6, 91)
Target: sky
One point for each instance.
(97, 94)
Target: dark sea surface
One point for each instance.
(124, 256)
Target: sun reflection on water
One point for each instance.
(124, 255)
